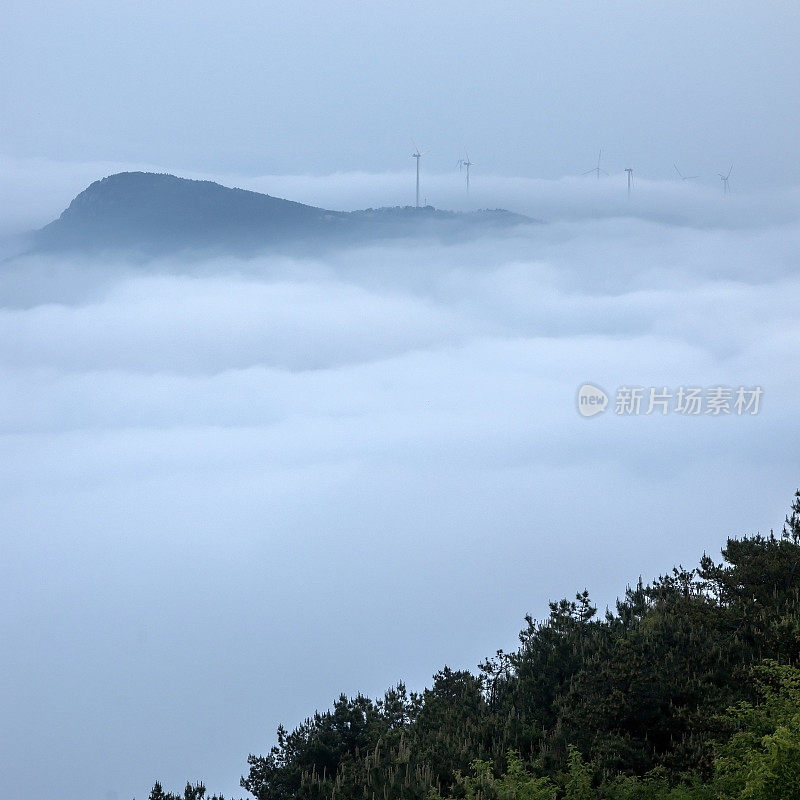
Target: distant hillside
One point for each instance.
(154, 213)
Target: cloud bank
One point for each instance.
(36, 191)
(233, 489)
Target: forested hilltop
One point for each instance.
(689, 690)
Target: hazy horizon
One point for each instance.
(533, 90)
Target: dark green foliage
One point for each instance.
(346, 745)
(157, 793)
(515, 784)
(761, 760)
(630, 706)
(196, 791)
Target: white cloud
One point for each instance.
(234, 489)
(35, 191)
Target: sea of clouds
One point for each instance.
(232, 489)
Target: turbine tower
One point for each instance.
(418, 155)
(596, 169)
(465, 164)
(629, 170)
(682, 176)
(724, 179)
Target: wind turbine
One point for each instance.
(465, 164)
(724, 179)
(629, 170)
(597, 168)
(682, 176)
(418, 155)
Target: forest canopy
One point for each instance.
(689, 688)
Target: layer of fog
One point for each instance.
(33, 192)
(231, 490)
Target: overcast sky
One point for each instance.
(231, 490)
(528, 88)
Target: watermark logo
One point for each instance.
(591, 400)
(689, 401)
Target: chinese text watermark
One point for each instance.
(688, 401)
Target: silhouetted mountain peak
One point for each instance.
(153, 213)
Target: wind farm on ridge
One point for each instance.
(464, 164)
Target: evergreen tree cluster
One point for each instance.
(689, 688)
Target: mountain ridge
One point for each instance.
(159, 212)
